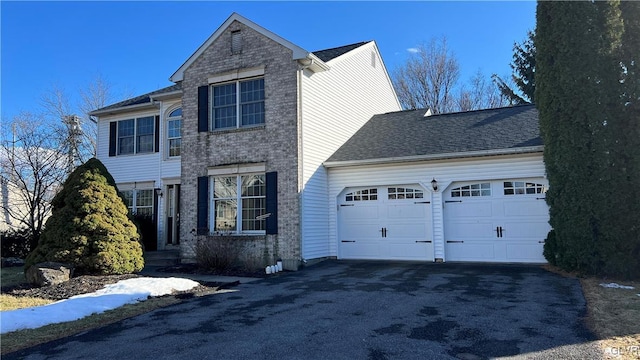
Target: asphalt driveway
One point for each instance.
(358, 310)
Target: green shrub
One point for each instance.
(89, 227)
(16, 243)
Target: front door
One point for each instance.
(173, 214)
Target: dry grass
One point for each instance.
(614, 316)
(22, 339)
(10, 302)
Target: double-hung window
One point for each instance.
(139, 201)
(136, 136)
(174, 137)
(239, 203)
(238, 104)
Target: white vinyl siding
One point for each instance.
(338, 101)
(446, 172)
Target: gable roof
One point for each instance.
(138, 101)
(298, 52)
(330, 54)
(411, 136)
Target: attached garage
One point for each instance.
(472, 188)
(496, 221)
(385, 222)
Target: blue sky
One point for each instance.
(136, 46)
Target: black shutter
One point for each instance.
(113, 138)
(271, 183)
(203, 202)
(203, 108)
(157, 133)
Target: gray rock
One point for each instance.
(48, 273)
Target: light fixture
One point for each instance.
(159, 192)
(434, 184)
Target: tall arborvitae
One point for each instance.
(89, 226)
(578, 95)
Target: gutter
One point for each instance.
(149, 104)
(456, 155)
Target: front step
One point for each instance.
(162, 258)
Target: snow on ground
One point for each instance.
(616, 286)
(110, 297)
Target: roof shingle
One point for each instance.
(409, 133)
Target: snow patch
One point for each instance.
(110, 297)
(616, 286)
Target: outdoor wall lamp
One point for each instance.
(434, 184)
(159, 192)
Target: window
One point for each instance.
(139, 201)
(522, 188)
(174, 137)
(136, 135)
(472, 190)
(238, 104)
(239, 203)
(398, 193)
(362, 195)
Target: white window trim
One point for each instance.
(167, 138)
(135, 136)
(212, 202)
(238, 104)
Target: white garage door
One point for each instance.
(496, 221)
(390, 222)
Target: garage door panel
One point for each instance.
(528, 207)
(406, 212)
(526, 230)
(466, 251)
(408, 251)
(360, 249)
(469, 209)
(528, 252)
(367, 212)
(506, 224)
(462, 230)
(392, 225)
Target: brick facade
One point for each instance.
(275, 143)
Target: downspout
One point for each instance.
(300, 74)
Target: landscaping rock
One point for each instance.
(12, 262)
(48, 273)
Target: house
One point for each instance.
(304, 155)
(236, 146)
(464, 186)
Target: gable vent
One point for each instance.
(373, 59)
(236, 42)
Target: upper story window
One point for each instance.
(523, 188)
(238, 104)
(136, 136)
(398, 193)
(483, 189)
(362, 195)
(174, 135)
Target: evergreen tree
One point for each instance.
(89, 226)
(523, 68)
(581, 86)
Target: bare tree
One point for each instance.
(481, 93)
(32, 171)
(96, 95)
(428, 78)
